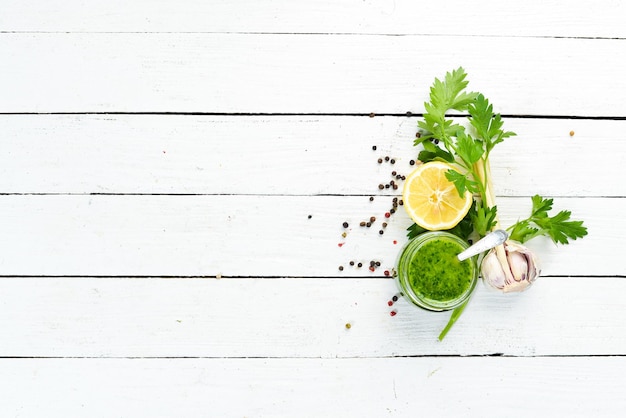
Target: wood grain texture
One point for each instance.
(299, 318)
(284, 155)
(440, 386)
(530, 18)
(194, 72)
(148, 148)
(254, 235)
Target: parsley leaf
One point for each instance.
(469, 149)
(462, 182)
(487, 124)
(558, 227)
(445, 95)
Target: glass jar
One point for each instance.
(430, 275)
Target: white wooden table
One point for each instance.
(174, 176)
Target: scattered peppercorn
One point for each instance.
(392, 161)
(378, 264)
(386, 272)
(381, 232)
(344, 235)
(348, 326)
(400, 202)
(340, 268)
(310, 216)
(395, 187)
(372, 263)
(373, 219)
(571, 133)
(345, 224)
(371, 198)
(351, 263)
(360, 265)
(380, 161)
(386, 186)
(392, 210)
(418, 134)
(384, 224)
(412, 162)
(374, 148)
(372, 269)
(362, 224)
(381, 186)
(386, 158)
(393, 313)
(368, 224)
(395, 298)
(389, 303)
(393, 173)
(372, 114)
(387, 215)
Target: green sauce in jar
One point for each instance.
(431, 276)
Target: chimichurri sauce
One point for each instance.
(436, 273)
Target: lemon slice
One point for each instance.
(431, 200)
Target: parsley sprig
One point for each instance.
(558, 227)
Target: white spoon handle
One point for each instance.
(490, 240)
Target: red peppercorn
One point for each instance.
(387, 215)
(386, 272)
(393, 313)
(372, 268)
(390, 303)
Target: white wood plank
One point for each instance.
(469, 387)
(122, 317)
(254, 235)
(513, 18)
(178, 72)
(284, 155)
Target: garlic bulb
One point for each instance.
(510, 267)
